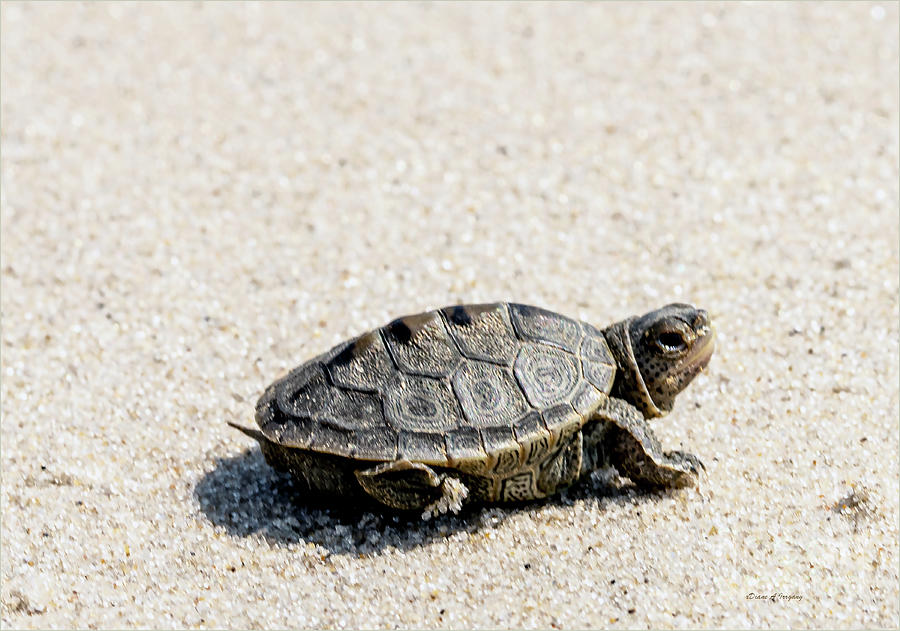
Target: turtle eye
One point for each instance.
(670, 342)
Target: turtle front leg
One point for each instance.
(406, 485)
(631, 447)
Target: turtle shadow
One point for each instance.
(247, 498)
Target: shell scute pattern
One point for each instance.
(487, 387)
(546, 375)
(282, 408)
(328, 438)
(420, 345)
(362, 364)
(303, 389)
(540, 325)
(352, 411)
(587, 398)
(482, 332)
(311, 396)
(421, 404)
(488, 394)
(428, 447)
(533, 436)
(465, 444)
(298, 432)
(378, 445)
(502, 444)
(560, 420)
(323, 417)
(597, 362)
(529, 425)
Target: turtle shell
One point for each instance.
(468, 387)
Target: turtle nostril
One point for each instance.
(701, 320)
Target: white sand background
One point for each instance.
(196, 197)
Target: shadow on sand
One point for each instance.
(247, 497)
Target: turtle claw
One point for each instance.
(688, 466)
(682, 459)
(453, 492)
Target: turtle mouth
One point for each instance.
(702, 350)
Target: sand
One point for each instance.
(196, 197)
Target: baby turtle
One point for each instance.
(489, 403)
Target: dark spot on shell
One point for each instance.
(460, 317)
(399, 331)
(344, 357)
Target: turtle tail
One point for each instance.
(252, 433)
(277, 458)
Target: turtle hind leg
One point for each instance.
(634, 450)
(406, 485)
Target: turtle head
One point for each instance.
(659, 353)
